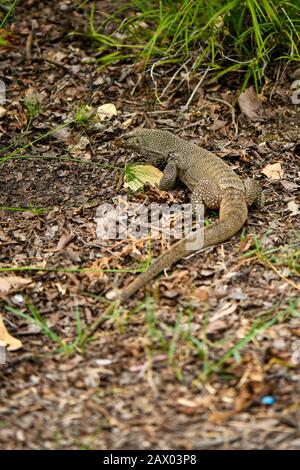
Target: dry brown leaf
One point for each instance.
(201, 294)
(216, 326)
(12, 343)
(64, 240)
(289, 185)
(2, 111)
(106, 111)
(77, 146)
(227, 309)
(218, 124)
(32, 95)
(220, 417)
(293, 208)
(63, 135)
(56, 56)
(245, 244)
(95, 271)
(296, 74)
(273, 171)
(251, 105)
(127, 123)
(195, 403)
(9, 283)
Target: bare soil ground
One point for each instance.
(160, 372)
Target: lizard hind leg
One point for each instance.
(206, 193)
(254, 194)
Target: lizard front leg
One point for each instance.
(254, 193)
(169, 176)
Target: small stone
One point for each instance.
(18, 299)
(75, 69)
(279, 344)
(171, 294)
(103, 362)
(111, 295)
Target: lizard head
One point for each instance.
(152, 143)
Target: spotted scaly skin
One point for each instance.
(211, 182)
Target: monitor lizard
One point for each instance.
(211, 181)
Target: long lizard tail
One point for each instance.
(233, 215)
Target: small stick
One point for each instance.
(234, 122)
(185, 107)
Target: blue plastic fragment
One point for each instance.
(268, 400)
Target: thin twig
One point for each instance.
(231, 107)
(285, 279)
(263, 260)
(173, 78)
(28, 47)
(185, 107)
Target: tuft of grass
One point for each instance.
(220, 35)
(6, 11)
(266, 320)
(83, 116)
(3, 36)
(33, 107)
(32, 209)
(7, 8)
(283, 260)
(63, 347)
(180, 342)
(176, 340)
(19, 150)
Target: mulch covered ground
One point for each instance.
(148, 376)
